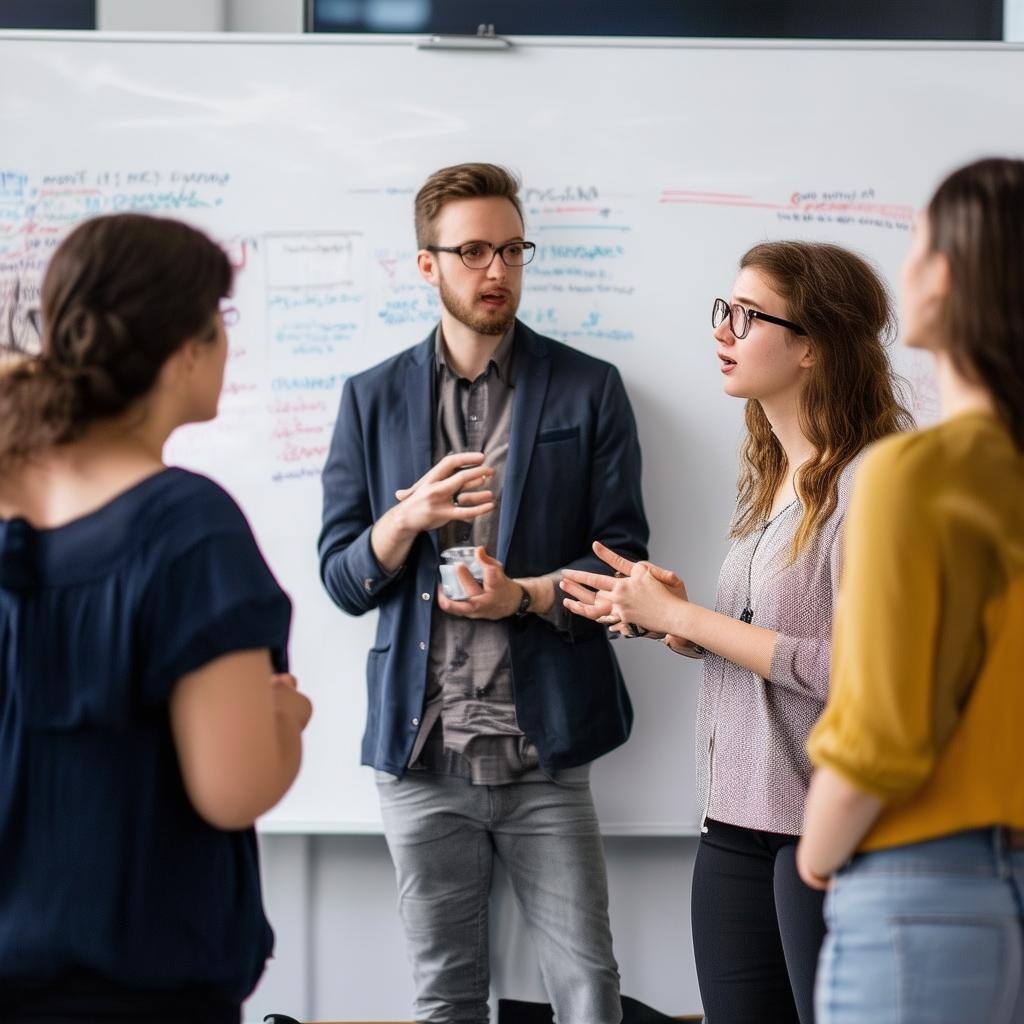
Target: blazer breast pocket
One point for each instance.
(558, 434)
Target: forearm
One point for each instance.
(837, 816)
(749, 646)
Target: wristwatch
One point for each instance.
(524, 602)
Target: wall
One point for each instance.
(341, 953)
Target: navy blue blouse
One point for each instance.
(106, 870)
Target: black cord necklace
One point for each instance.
(747, 615)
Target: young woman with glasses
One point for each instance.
(146, 715)
(919, 751)
(801, 341)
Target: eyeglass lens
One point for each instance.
(480, 254)
(738, 321)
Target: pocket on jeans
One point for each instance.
(950, 970)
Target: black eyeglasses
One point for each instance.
(478, 255)
(739, 318)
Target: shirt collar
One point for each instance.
(501, 360)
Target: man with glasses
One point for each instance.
(485, 709)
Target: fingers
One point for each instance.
(609, 557)
(625, 566)
(465, 479)
(594, 580)
(578, 592)
(482, 557)
(445, 468)
(466, 514)
(470, 587)
(686, 648)
(666, 576)
(584, 611)
(468, 499)
(465, 461)
(464, 608)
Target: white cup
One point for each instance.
(450, 582)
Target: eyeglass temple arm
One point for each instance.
(757, 314)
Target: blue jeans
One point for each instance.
(929, 933)
(443, 834)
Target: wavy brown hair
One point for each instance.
(976, 220)
(121, 294)
(851, 396)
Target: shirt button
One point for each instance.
(480, 691)
(367, 584)
(425, 597)
(415, 721)
(423, 646)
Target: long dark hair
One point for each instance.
(120, 295)
(851, 398)
(976, 220)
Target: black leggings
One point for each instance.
(757, 928)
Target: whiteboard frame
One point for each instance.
(518, 42)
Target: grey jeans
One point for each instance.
(443, 834)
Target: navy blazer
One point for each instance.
(573, 475)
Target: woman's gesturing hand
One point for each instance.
(641, 594)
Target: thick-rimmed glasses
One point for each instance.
(480, 255)
(739, 318)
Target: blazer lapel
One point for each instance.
(533, 372)
(419, 396)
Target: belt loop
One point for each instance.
(1001, 850)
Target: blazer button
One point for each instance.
(426, 597)
(367, 584)
(423, 646)
(415, 721)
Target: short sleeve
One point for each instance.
(215, 597)
(879, 727)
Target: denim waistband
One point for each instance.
(981, 852)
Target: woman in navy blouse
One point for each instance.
(146, 713)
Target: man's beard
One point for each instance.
(479, 322)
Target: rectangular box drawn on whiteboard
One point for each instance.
(314, 259)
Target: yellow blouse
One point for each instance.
(926, 706)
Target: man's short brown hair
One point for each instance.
(462, 181)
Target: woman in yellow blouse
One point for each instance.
(920, 754)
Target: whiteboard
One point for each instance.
(649, 167)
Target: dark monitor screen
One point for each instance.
(758, 19)
(67, 14)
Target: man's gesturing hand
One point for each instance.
(449, 491)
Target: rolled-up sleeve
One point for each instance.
(879, 726)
